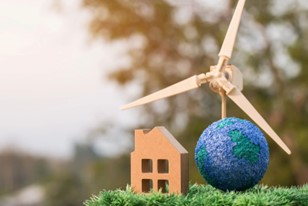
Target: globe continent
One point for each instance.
(232, 154)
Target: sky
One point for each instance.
(52, 90)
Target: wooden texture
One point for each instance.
(180, 87)
(159, 162)
(228, 44)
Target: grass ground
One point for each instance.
(199, 195)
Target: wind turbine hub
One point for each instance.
(216, 76)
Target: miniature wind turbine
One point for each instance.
(223, 78)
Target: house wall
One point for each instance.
(154, 146)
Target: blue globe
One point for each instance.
(232, 154)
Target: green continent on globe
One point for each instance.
(224, 123)
(200, 157)
(244, 148)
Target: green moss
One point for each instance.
(205, 195)
(244, 148)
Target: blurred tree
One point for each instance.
(86, 174)
(172, 40)
(19, 170)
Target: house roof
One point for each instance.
(167, 135)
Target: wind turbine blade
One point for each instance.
(183, 86)
(228, 44)
(238, 98)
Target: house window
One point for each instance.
(163, 185)
(163, 166)
(147, 165)
(147, 185)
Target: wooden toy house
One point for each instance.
(159, 161)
